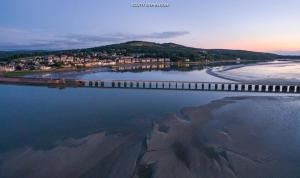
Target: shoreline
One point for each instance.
(277, 81)
(28, 72)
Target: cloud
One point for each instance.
(14, 39)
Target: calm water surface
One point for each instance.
(174, 73)
(276, 71)
(41, 117)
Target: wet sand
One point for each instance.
(231, 137)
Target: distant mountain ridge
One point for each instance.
(150, 49)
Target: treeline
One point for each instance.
(148, 49)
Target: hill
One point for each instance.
(149, 49)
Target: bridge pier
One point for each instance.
(270, 88)
(277, 88)
(229, 87)
(263, 88)
(298, 89)
(200, 86)
(243, 87)
(236, 87)
(222, 87)
(284, 89)
(256, 88)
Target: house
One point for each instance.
(7, 68)
(154, 60)
(45, 67)
(167, 60)
(161, 60)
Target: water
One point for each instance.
(191, 73)
(39, 116)
(195, 75)
(45, 119)
(276, 71)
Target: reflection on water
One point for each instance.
(110, 134)
(179, 72)
(273, 71)
(39, 116)
(89, 132)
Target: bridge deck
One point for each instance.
(163, 85)
(193, 85)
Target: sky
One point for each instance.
(258, 25)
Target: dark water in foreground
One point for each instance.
(39, 116)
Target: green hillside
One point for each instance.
(149, 49)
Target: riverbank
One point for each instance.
(160, 65)
(30, 72)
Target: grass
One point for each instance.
(18, 73)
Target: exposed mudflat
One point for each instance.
(232, 137)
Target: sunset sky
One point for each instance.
(260, 25)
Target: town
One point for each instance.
(51, 62)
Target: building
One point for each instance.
(7, 68)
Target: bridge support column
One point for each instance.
(292, 89)
(209, 87)
(255, 88)
(236, 87)
(263, 88)
(199, 86)
(222, 87)
(230, 88)
(284, 89)
(277, 88)
(270, 88)
(243, 87)
(298, 89)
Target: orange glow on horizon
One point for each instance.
(259, 44)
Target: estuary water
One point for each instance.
(274, 72)
(172, 73)
(89, 132)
